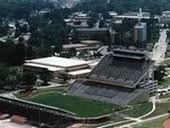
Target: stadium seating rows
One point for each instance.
(40, 115)
(114, 80)
(125, 71)
(96, 91)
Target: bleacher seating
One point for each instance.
(115, 79)
(120, 70)
(96, 91)
(49, 117)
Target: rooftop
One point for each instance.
(132, 17)
(50, 68)
(140, 25)
(89, 41)
(83, 71)
(58, 62)
(113, 13)
(73, 46)
(92, 29)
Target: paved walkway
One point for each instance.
(153, 100)
(114, 123)
(142, 121)
(137, 120)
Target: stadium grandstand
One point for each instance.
(41, 115)
(122, 77)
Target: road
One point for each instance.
(160, 48)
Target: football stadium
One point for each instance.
(123, 77)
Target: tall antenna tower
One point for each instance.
(140, 15)
(108, 1)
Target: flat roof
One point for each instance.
(79, 72)
(74, 45)
(113, 13)
(90, 41)
(58, 62)
(67, 20)
(92, 29)
(132, 17)
(50, 68)
(94, 64)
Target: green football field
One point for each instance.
(81, 107)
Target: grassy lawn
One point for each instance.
(138, 110)
(150, 46)
(161, 108)
(165, 82)
(82, 107)
(154, 124)
(58, 89)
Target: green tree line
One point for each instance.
(120, 6)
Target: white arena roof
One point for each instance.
(58, 62)
(50, 68)
(79, 72)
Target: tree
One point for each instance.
(65, 77)
(83, 54)
(3, 74)
(72, 52)
(169, 112)
(29, 79)
(14, 77)
(18, 9)
(12, 54)
(90, 23)
(48, 30)
(45, 76)
(160, 72)
(3, 28)
(168, 35)
(101, 24)
(10, 77)
(122, 6)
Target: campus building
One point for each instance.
(92, 33)
(58, 65)
(132, 15)
(78, 20)
(83, 45)
(140, 32)
(165, 17)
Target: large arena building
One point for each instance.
(122, 77)
(57, 65)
